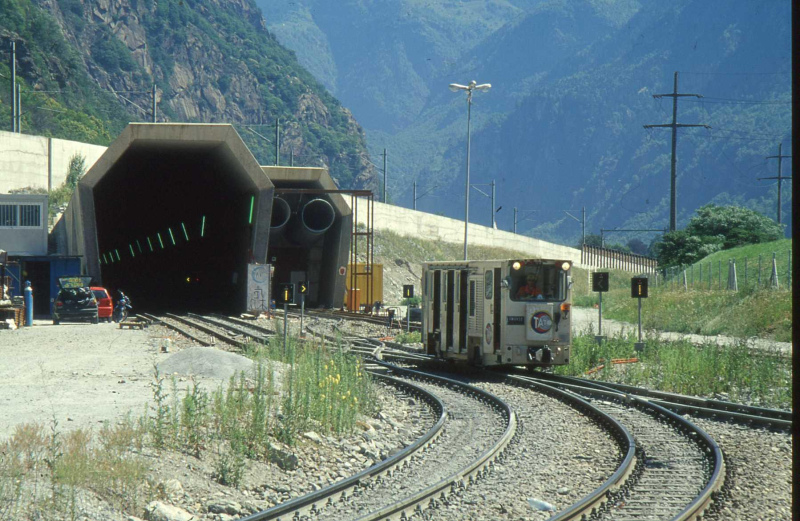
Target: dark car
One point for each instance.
(75, 301)
(105, 306)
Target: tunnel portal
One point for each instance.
(172, 214)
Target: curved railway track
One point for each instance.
(671, 468)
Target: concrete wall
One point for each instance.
(39, 162)
(407, 222)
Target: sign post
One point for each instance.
(303, 291)
(408, 293)
(600, 285)
(287, 296)
(639, 291)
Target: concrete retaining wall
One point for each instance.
(39, 162)
(407, 222)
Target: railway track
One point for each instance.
(680, 469)
(673, 470)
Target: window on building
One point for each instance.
(30, 215)
(20, 215)
(8, 215)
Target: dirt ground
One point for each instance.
(81, 375)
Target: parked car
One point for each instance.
(75, 301)
(105, 306)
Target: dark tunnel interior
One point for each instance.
(174, 228)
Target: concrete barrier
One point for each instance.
(39, 162)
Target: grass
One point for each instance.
(732, 373)
(753, 311)
(44, 473)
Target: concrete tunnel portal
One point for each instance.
(172, 214)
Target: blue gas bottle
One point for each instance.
(28, 304)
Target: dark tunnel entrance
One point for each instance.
(175, 229)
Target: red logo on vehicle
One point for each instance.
(541, 322)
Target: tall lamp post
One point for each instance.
(473, 86)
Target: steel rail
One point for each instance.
(715, 409)
(215, 321)
(704, 499)
(592, 502)
(176, 328)
(210, 331)
(406, 507)
(303, 504)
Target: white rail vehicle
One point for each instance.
(503, 312)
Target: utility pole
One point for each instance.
(13, 86)
(779, 178)
(19, 108)
(673, 204)
(415, 196)
(582, 220)
(277, 141)
(155, 107)
(494, 212)
(384, 176)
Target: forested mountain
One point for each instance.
(87, 68)
(572, 87)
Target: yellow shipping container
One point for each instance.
(354, 300)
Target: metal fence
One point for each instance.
(733, 274)
(614, 259)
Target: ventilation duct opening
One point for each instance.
(318, 216)
(281, 213)
(313, 220)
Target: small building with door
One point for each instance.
(24, 237)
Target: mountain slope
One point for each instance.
(211, 61)
(572, 88)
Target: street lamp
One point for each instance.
(455, 87)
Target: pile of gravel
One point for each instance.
(207, 362)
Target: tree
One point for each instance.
(592, 239)
(76, 169)
(736, 225)
(637, 246)
(680, 248)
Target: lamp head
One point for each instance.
(455, 87)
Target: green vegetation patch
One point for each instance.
(731, 373)
(704, 305)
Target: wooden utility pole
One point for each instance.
(779, 178)
(673, 204)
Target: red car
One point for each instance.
(105, 306)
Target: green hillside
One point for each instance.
(753, 311)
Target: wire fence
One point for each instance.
(764, 271)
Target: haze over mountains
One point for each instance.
(572, 86)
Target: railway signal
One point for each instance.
(286, 294)
(600, 285)
(639, 291)
(408, 293)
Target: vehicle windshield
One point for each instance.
(537, 281)
(99, 294)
